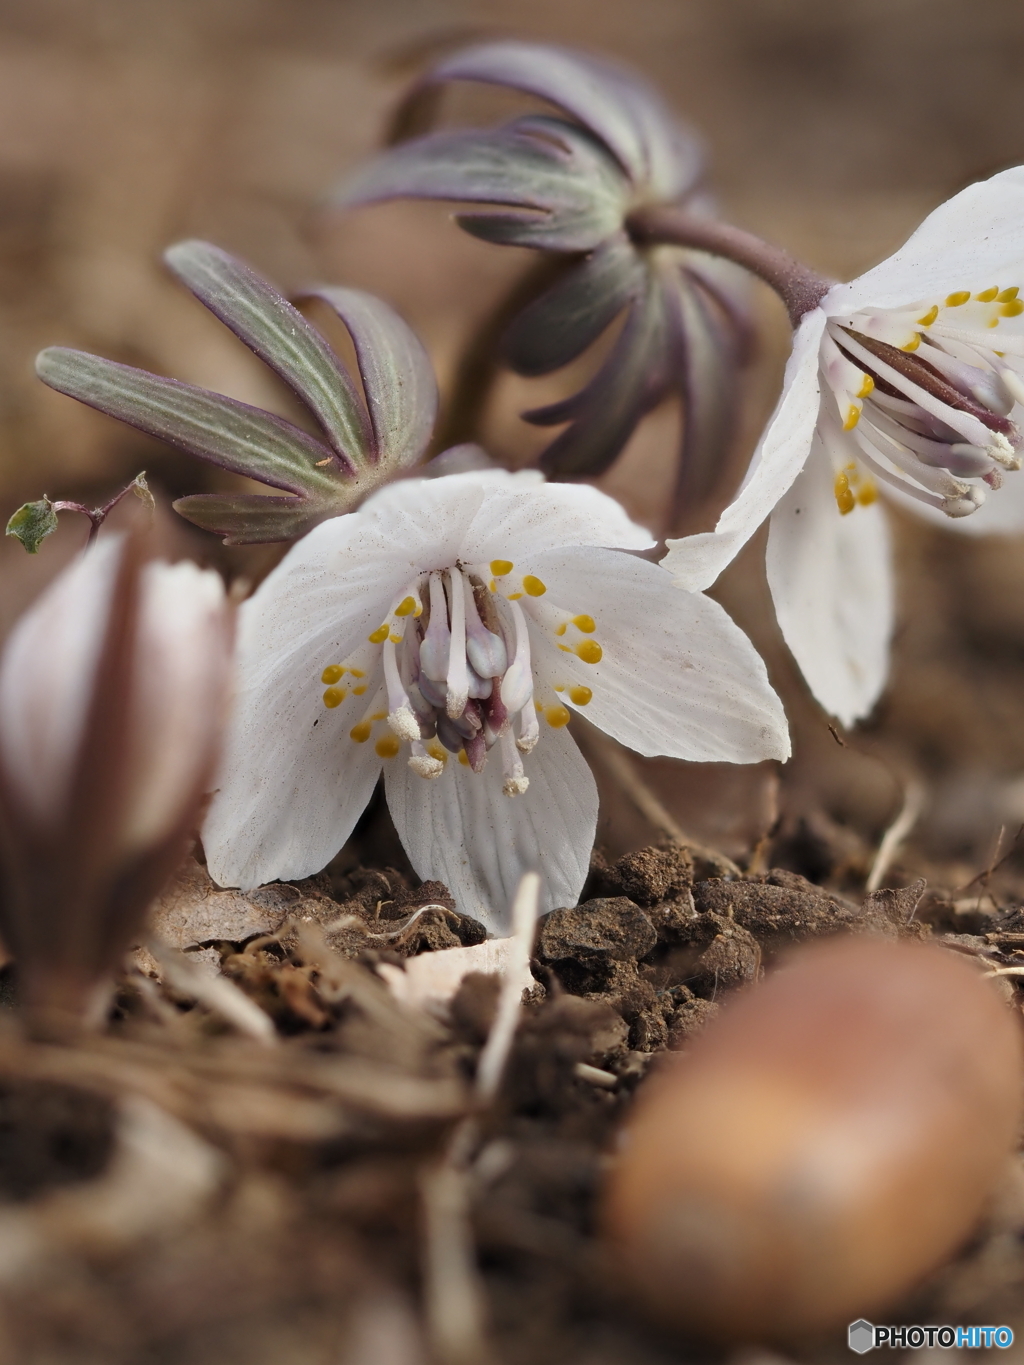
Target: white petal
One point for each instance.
(182, 663)
(972, 241)
(832, 581)
(335, 586)
(522, 515)
(462, 829)
(292, 785)
(433, 978)
(696, 561)
(46, 677)
(676, 677)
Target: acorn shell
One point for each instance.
(829, 1139)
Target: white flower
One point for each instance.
(908, 379)
(446, 632)
(113, 692)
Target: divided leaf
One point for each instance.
(368, 441)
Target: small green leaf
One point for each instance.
(32, 523)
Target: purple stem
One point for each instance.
(799, 287)
(97, 515)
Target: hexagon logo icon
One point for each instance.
(861, 1336)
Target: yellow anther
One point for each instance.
(539, 705)
(514, 596)
(379, 635)
(334, 696)
(533, 586)
(1007, 294)
(332, 673)
(358, 691)
(852, 417)
(557, 716)
(379, 715)
(580, 696)
(930, 316)
(566, 649)
(406, 607)
(464, 758)
(437, 751)
(560, 687)
(845, 500)
(913, 343)
(589, 651)
(560, 630)
(867, 493)
(387, 746)
(361, 732)
(356, 672)
(987, 295)
(994, 322)
(500, 567)
(493, 585)
(866, 387)
(960, 297)
(395, 639)
(1012, 308)
(585, 623)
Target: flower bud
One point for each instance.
(112, 698)
(829, 1139)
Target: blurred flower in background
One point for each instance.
(113, 692)
(568, 186)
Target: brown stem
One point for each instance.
(480, 361)
(98, 515)
(799, 287)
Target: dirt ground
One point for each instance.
(126, 125)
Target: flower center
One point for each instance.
(458, 675)
(920, 399)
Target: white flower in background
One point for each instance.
(446, 632)
(113, 692)
(907, 380)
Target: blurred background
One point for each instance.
(833, 129)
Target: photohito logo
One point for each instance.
(865, 1336)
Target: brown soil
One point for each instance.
(305, 1239)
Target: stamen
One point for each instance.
(457, 677)
(484, 649)
(533, 587)
(363, 728)
(580, 696)
(334, 696)
(517, 684)
(426, 764)
(515, 780)
(387, 746)
(401, 716)
(529, 729)
(332, 673)
(501, 567)
(557, 716)
(436, 644)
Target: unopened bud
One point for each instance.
(113, 690)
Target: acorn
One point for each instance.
(829, 1139)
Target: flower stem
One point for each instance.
(480, 362)
(799, 287)
(98, 515)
